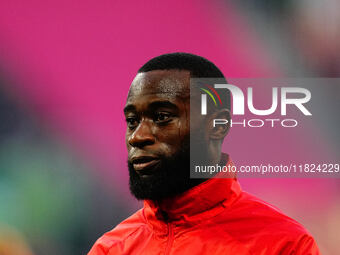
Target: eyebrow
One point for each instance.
(162, 103)
(129, 108)
(154, 104)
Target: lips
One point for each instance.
(144, 164)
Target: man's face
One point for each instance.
(158, 130)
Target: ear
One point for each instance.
(221, 120)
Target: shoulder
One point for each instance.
(252, 219)
(265, 216)
(255, 209)
(117, 236)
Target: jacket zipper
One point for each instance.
(170, 239)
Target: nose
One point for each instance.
(142, 136)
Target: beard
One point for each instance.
(171, 176)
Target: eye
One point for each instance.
(162, 117)
(131, 122)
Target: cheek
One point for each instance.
(183, 128)
(127, 135)
(171, 138)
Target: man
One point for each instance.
(182, 215)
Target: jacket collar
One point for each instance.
(202, 201)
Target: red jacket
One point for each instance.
(215, 217)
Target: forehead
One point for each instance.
(163, 83)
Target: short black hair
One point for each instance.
(199, 67)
